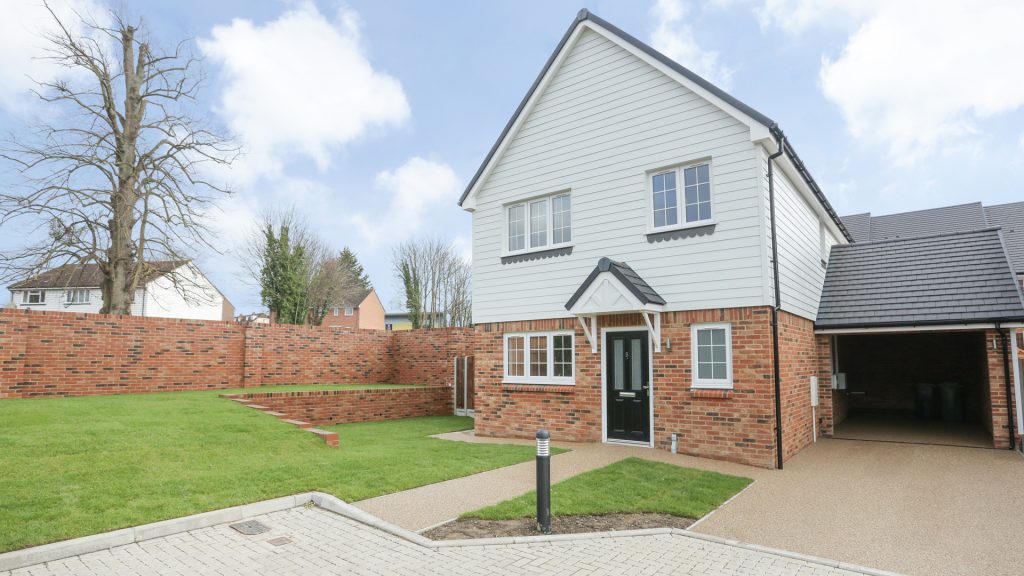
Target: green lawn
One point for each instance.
(313, 387)
(76, 466)
(628, 486)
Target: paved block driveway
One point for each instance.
(325, 543)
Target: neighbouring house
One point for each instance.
(172, 289)
(397, 320)
(254, 319)
(649, 260)
(363, 310)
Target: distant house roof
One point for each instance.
(953, 278)
(963, 217)
(87, 276)
(354, 299)
(1010, 217)
(624, 274)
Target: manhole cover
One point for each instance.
(251, 527)
(279, 541)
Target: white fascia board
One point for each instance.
(921, 328)
(469, 204)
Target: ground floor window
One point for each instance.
(540, 358)
(711, 355)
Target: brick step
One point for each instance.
(300, 424)
(330, 438)
(258, 406)
(273, 413)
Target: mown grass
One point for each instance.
(628, 486)
(76, 466)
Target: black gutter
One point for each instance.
(1005, 334)
(779, 138)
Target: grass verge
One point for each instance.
(71, 467)
(628, 486)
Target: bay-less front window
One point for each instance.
(539, 224)
(711, 355)
(540, 358)
(33, 297)
(77, 296)
(681, 196)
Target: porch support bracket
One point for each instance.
(590, 331)
(653, 321)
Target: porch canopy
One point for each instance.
(615, 288)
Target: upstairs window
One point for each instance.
(670, 208)
(77, 296)
(349, 311)
(539, 223)
(33, 297)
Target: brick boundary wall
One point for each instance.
(75, 354)
(325, 407)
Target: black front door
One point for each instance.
(626, 379)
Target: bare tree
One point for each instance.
(436, 281)
(118, 178)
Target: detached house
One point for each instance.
(649, 257)
(361, 310)
(172, 289)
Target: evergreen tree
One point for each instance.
(348, 261)
(283, 278)
(411, 280)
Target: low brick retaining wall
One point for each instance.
(324, 407)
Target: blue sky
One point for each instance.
(370, 116)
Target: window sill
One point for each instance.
(525, 256)
(673, 233)
(715, 393)
(548, 388)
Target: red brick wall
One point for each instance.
(425, 356)
(830, 410)
(798, 361)
(281, 354)
(737, 425)
(65, 354)
(1000, 422)
(343, 406)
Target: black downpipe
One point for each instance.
(779, 139)
(1005, 335)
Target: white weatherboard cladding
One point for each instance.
(56, 301)
(801, 272)
(606, 119)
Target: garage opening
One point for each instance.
(921, 388)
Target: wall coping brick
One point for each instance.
(548, 388)
(711, 394)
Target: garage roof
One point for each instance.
(954, 278)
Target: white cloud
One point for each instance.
(300, 85)
(916, 78)
(674, 38)
(23, 31)
(413, 189)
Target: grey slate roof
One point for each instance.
(917, 223)
(959, 277)
(623, 273)
(1010, 217)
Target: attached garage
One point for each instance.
(921, 336)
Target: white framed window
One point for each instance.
(77, 296)
(335, 311)
(711, 358)
(540, 357)
(538, 223)
(680, 197)
(33, 297)
(349, 311)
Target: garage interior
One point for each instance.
(920, 388)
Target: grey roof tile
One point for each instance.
(1010, 217)
(947, 278)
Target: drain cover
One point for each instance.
(251, 527)
(279, 541)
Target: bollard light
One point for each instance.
(543, 481)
